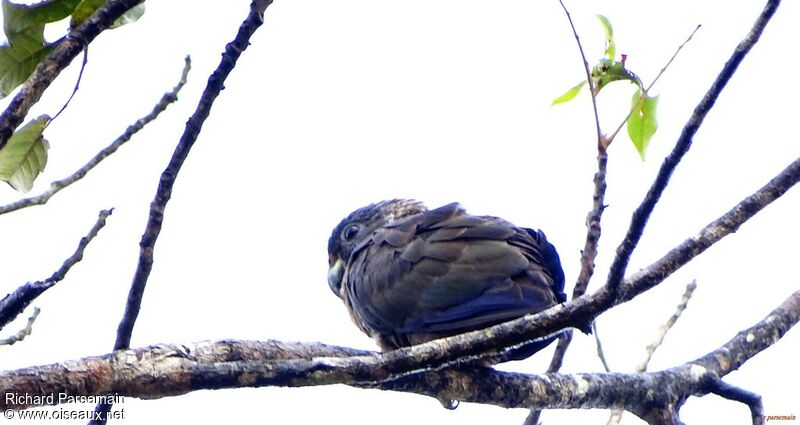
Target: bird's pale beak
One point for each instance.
(335, 275)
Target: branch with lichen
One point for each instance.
(120, 372)
(180, 369)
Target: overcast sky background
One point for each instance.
(339, 104)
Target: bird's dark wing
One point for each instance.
(444, 272)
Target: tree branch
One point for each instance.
(752, 400)
(593, 218)
(164, 192)
(14, 303)
(52, 65)
(494, 340)
(215, 84)
(134, 128)
(716, 230)
(589, 252)
(24, 332)
(170, 369)
(651, 348)
(642, 213)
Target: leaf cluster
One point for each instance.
(25, 155)
(641, 121)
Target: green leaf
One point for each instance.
(83, 10)
(18, 18)
(86, 7)
(18, 60)
(606, 72)
(642, 124)
(569, 95)
(611, 49)
(25, 155)
(132, 15)
(24, 29)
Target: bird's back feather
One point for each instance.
(443, 272)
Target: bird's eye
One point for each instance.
(351, 231)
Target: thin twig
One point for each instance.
(14, 303)
(662, 331)
(52, 65)
(674, 55)
(214, 86)
(616, 415)
(589, 252)
(77, 84)
(660, 73)
(24, 332)
(588, 71)
(599, 348)
(57, 185)
(642, 213)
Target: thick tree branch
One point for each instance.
(56, 186)
(63, 54)
(14, 303)
(169, 370)
(642, 213)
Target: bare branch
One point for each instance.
(599, 348)
(233, 50)
(752, 400)
(642, 213)
(593, 218)
(711, 234)
(63, 54)
(215, 85)
(179, 369)
(134, 128)
(14, 303)
(24, 332)
(653, 346)
(662, 331)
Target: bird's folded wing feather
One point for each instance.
(445, 271)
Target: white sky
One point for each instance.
(339, 104)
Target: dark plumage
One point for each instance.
(409, 275)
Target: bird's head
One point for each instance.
(357, 227)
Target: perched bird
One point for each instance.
(409, 275)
